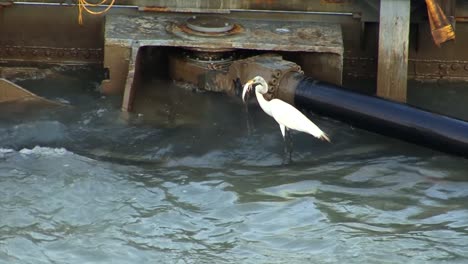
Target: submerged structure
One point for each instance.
(215, 45)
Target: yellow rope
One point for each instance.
(82, 5)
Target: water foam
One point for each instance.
(6, 150)
(44, 151)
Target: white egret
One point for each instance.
(287, 116)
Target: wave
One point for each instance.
(45, 151)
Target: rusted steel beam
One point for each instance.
(133, 77)
(165, 9)
(51, 54)
(292, 5)
(393, 49)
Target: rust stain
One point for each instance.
(155, 9)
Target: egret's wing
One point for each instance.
(292, 118)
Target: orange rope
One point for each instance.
(82, 5)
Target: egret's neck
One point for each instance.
(263, 103)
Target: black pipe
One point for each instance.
(382, 116)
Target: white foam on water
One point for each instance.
(5, 150)
(45, 151)
(62, 100)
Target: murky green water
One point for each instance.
(183, 182)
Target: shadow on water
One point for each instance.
(182, 181)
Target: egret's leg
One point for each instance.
(289, 145)
(249, 120)
(286, 151)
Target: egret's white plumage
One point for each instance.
(287, 116)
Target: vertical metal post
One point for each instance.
(393, 49)
(133, 77)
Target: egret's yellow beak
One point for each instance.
(247, 89)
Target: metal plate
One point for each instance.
(210, 24)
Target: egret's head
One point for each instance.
(257, 83)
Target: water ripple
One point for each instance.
(90, 186)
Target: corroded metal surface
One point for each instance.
(122, 33)
(56, 27)
(273, 68)
(10, 92)
(51, 54)
(133, 79)
(193, 67)
(226, 79)
(292, 5)
(270, 66)
(117, 59)
(355, 67)
(258, 34)
(49, 34)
